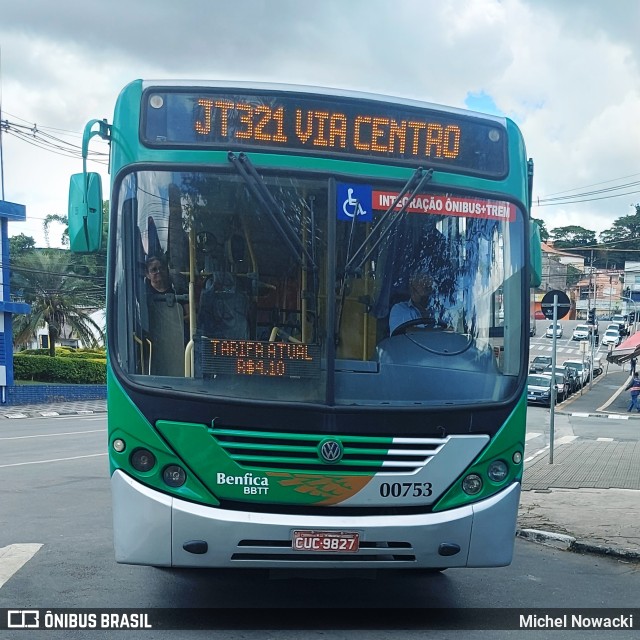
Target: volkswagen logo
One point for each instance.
(330, 451)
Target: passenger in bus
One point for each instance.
(421, 289)
(166, 320)
(224, 309)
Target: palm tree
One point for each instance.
(58, 297)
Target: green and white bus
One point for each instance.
(318, 324)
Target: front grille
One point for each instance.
(271, 550)
(362, 454)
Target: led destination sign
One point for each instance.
(252, 358)
(334, 126)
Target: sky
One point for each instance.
(567, 72)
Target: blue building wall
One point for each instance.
(8, 211)
(48, 393)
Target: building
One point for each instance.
(8, 306)
(602, 290)
(608, 291)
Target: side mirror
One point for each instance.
(85, 212)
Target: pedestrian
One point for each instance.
(633, 363)
(634, 388)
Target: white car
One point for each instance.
(549, 333)
(581, 332)
(611, 337)
(581, 368)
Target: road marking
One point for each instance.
(22, 464)
(579, 414)
(51, 435)
(566, 439)
(536, 454)
(85, 417)
(14, 557)
(604, 439)
(530, 436)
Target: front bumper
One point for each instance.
(153, 528)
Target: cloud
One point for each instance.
(566, 72)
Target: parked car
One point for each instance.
(617, 326)
(570, 375)
(539, 389)
(539, 364)
(549, 333)
(532, 328)
(581, 370)
(611, 337)
(622, 321)
(563, 386)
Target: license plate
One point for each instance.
(326, 541)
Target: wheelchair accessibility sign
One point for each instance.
(354, 201)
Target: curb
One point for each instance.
(17, 414)
(569, 543)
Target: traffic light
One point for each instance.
(592, 316)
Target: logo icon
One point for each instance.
(354, 202)
(23, 619)
(330, 451)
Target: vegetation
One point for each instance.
(613, 247)
(71, 366)
(63, 289)
(48, 280)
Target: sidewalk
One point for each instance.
(80, 407)
(588, 500)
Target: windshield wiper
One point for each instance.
(419, 179)
(270, 206)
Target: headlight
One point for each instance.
(498, 471)
(174, 476)
(472, 484)
(142, 460)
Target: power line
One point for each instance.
(582, 197)
(37, 137)
(595, 184)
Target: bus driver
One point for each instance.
(417, 306)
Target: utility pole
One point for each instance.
(590, 285)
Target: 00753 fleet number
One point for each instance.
(404, 489)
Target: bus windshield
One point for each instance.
(218, 292)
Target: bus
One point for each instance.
(318, 324)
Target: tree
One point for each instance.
(58, 297)
(54, 217)
(625, 234)
(20, 244)
(572, 236)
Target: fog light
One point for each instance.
(517, 457)
(119, 445)
(498, 471)
(142, 460)
(472, 484)
(174, 476)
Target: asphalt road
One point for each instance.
(54, 492)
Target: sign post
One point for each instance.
(555, 305)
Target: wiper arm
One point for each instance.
(271, 207)
(419, 179)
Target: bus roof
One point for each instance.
(323, 91)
